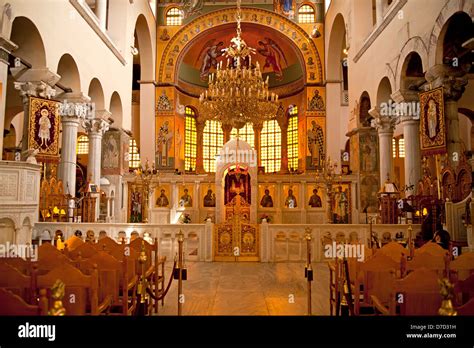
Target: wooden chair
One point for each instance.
(81, 291)
(23, 265)
(19, 283)
(464, 290)
(462, 267)
(432, 249)
(73, 242)
(416, 294)
(48, 250)
(107, 244)
(375, 278)
(85, 251)
(429, 261)
(12, 304)
(393, 250)
(48, 262)
(466, 309)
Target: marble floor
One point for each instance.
(249, 288)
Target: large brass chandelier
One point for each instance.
(237, 94)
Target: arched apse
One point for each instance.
(337, 43)
(96, 93)
(67, 69)
(116, 109)
(30, 44)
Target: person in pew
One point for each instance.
(102, 234)
(442, 238)
(90, 236)
(78, 234)
(134, 235)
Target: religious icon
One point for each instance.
(310, 61)
(316, 144)
(432, 122)
(136, 214)
(44, 132)
(176, 48)
(162, 201)
(274, 56)
(316, 102)
(170, 62)
(209, 199)
(254, 18)
(209, 55)
(290, 201)
(163, 141)
(315, 200)
(304, 46)
(432, 119)
(186, 200)
(164, 35)
(341, 206)
(164, 103)
(111, 151)
(267, 200)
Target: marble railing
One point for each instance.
(197, 243)
(287, 242)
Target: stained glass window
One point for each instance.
(270, 146)
(190, 140)
(306, 14)
(293, 138)
(134, 154)
(246, 134)
(213, 140)
(82, 147)
(174, 16)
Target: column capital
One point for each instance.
(34, 89)
(44, 75)
(96, 126)
(453, 80)
(75, 107)
(405, 96)
(383, 124)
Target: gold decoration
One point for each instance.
(57, 293)
(432, 122)
(43, 132)
(447, 292)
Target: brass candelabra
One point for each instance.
(144, 177)
(329, 177)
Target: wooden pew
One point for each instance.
(12, 304)
(17, 282)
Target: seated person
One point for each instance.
(90, 236)
(134, 235)
(102, 235)
(78, 234)
(442, 238)
(122, 237)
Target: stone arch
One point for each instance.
(413, 45)
(26, 35)
(435, 49)
(365, 105)
(116, 109)
(67, 69)
(96, 93)
(7, 230)
(145, 46)
(384, 91)
(185, 36)
(337, 39)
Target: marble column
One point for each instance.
(35, 82)
(101, 13)
(6, 47)
(70, 119)
(283, 123)
(257, 130)
(454, 81)
(385, 126)
(410, 120)
(199, 146)
(95, 128)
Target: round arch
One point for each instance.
(168, 70)
(67, 69)
(435, 49)
(384, 91)
(31, 48)
(96, 93)
(413, 46)
(116, 109)
(337, 41)
(143, 37)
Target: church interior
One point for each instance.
(237, 157)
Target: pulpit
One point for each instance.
(388, 202)
(88, 208)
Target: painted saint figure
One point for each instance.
(136, 206)
(315, 200)
(290, 201)
(162, 200)
(432, 119)
(273, 56)
(209, 61)
(316, 143)
(186, 200)
(340, 206)
(210, 199)
(164, 144)
(44, 128)
(316, 102)
(267, 201)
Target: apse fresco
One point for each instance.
(275, 55)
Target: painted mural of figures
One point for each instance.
(316, 102)
(316, 144)
(267, 201)
(162, 201)
(136, 207)
(163, 143)
(211, 52)
(315, 200)
(369, 159)
(273, 56)
(111, 154)
(340, 206)
(290, 201)
(210, 199)
(44, 132)
(432, 118)
(186, 200)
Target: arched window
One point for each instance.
(398, 147)
(306, 14)
(174, 16)
(134, 154)
(293, 138)
(213, 140)
(190, 140)
(246, 134)
(82, 147)
(270, 146)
